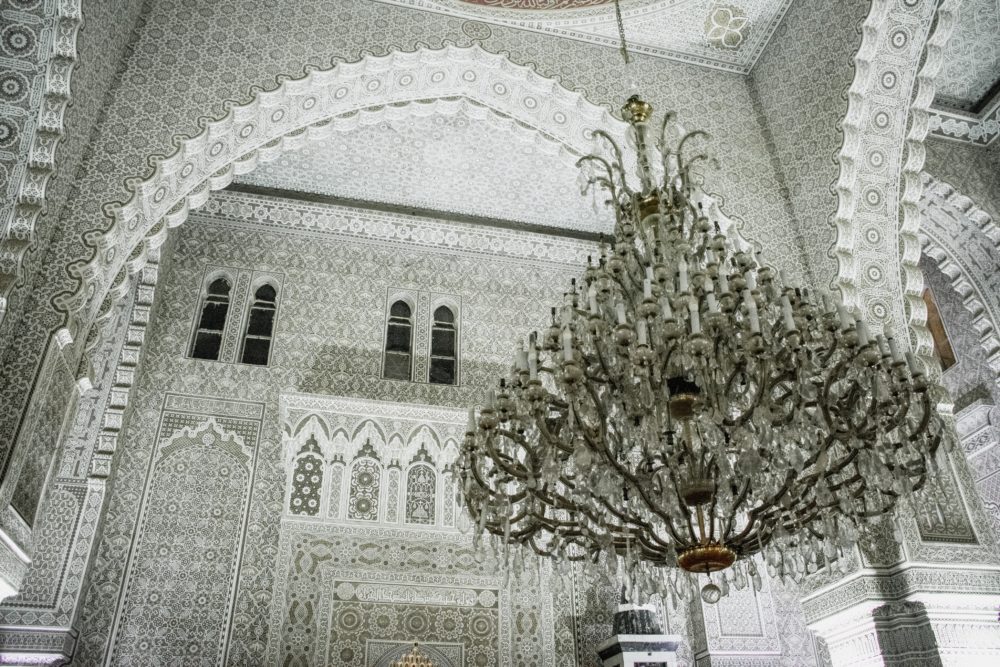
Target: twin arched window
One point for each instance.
(207, 341)
(256, 344)
(398, 362)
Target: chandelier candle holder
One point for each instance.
(689, 407)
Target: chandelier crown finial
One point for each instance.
(636, 110)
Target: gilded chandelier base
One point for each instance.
(707, 558)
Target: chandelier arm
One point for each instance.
(517, 497)
(684, 139)
(624, 289)
(608, 181)
(834, 349)
(711, 510)
(618, 161)
(502, 461)
(746, 415)
(925, 417)
(832, 378)
(776, 380)
(753, 514)
(589, 160)
(737, 503)
(543, 428)
(632, 482)
(628, 521)
(663, 143)
(604, 365)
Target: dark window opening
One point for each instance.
(214, 308)
(260, 327)
(444, 338)
(399, 342)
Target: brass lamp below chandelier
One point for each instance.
(414, 658)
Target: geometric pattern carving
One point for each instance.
(52, 537)
(454, 167)
(307, 480)
(363, 498)
(38, 43)
(941, 512)
(972, 57)
(392, 495)
(695, 29)
(177, 598)
(421, 486)
(964, 242)
(336, 482)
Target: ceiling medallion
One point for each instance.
(727, 27)
(689, 407)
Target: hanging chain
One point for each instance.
(621, 32)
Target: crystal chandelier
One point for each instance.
(689, 407)
(415, 658)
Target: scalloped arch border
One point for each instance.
(887, 120)
(963, 281)
(17, 227)
(296, 111)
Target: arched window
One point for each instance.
(443, 343)
(421, 493)
(260, 326)
(399, 342)
(214, 308)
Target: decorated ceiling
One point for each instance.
(971, 69)
(450, 160)
(724, 34)
(538, 4)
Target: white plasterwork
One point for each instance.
(674, 29)
(293, 113)
(972, 57)
(450, 156)
(295, 216)
(964, 242)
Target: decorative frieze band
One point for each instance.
(289, 215)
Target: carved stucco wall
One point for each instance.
(961, 264)
(188, 60)
(801, 88)
(328, 338)
(79, 47)
(69, 512)
(972, 170)
(337, 269)
(972, 383)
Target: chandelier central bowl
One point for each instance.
(706, 558)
